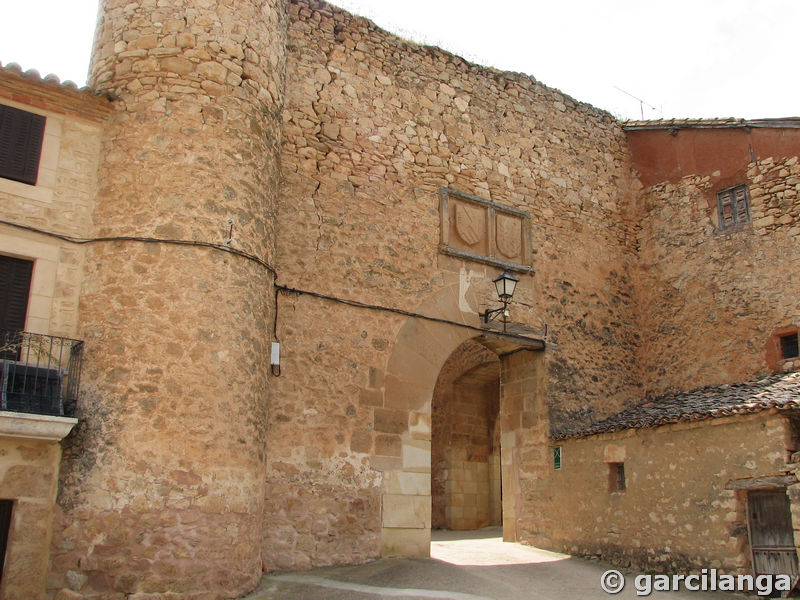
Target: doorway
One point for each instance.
(769, 521)
(466, 479)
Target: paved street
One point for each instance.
(474, 565)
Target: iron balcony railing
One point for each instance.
(39, 374)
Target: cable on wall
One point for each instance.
(275, 367)
(396, 311)
(146, 240)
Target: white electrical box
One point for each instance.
(275, 355)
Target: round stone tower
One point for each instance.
(163, 484)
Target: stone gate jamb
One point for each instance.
(524, 433)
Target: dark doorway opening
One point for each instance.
(465, 452)
(6, 511)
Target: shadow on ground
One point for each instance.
(464, 565)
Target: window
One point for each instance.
(789, 346)
(15, 284)
(557, 458)
(21, 136)
(733, 207)
(6, 511)
(616, 477)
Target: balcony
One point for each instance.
(39, 374)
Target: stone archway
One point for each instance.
(418, 354)
(465, 441)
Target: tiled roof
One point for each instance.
(780, 391)
(49, 93)
(33, 74)
(730, 123)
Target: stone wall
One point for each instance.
(61, 203)
(162, 484)
(712, 299)
(29, 477)
(676, 512)
(62, 200)
(315, 147)
(373, 127)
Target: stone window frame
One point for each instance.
(775, 357)
(43, 280)
(44, 190)
(738, 198)
(21, 144)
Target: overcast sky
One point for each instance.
(681, 58)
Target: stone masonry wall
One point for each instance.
(712, 299)
(675, 513)
(470, 453)
(373, 128)
(162, 485)
(29, 476)
(61, 201)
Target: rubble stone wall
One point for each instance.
(373, 128)
(162, 486)
(676, 512)
(712, 299)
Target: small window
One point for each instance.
(733, 207)
(789, 346)
(21, 135)
(616, 477)
(557, 458)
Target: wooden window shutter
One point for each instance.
(15, 285)
(726, 213)
(21, 135)
(733, 207)
(742, 208)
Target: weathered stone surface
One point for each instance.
(317, 143)
(679, 511)
(166, 466)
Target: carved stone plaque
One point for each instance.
(470, 223)
(508, 236)
(476, 229)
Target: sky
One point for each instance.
(634, 58)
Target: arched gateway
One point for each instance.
(421, 349)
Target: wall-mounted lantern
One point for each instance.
(505, 285)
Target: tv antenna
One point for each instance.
(641, 102)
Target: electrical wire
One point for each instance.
(277, 287)
(397, 311)
(147, 240)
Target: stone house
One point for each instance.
(266, 237)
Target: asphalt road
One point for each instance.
(464, 566)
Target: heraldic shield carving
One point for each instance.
(470, 223)
(508, 235)
(480, 230)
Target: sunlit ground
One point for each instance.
(460, 548)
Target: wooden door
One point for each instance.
(771, 534)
